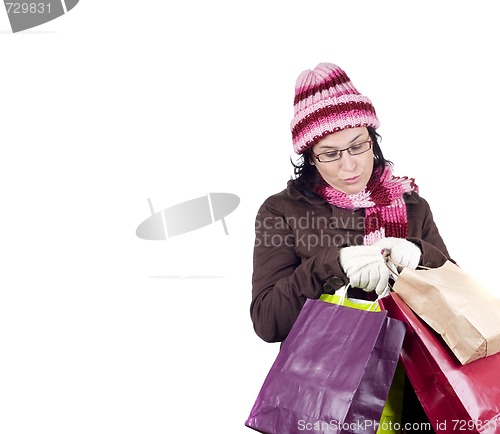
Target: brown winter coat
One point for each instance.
(296, 253)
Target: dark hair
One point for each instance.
(305, 173)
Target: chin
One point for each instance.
(353, 191)
(348, 189)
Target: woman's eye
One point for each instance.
(333, 154)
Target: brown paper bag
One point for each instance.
(456, 306)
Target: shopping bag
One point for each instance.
(332, 374)
(390, 420)
(340, 297)
(455, 397)
(456, 306)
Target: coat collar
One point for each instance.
(296, 194)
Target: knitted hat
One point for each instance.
(325, 102)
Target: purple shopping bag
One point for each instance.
(333, 373)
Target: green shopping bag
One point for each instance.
(390, 421)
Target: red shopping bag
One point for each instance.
(455, 397)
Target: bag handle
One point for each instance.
(342, 292)
(395, 272)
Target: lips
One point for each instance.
(352, 180)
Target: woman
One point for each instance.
(342, 217)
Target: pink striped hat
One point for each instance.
(325, 102)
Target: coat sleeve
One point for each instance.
(281, 280)
(427, 236)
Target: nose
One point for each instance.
(347, 161)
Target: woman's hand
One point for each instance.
(402, 252)
(365, 267)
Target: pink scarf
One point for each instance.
(382, 198)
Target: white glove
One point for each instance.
(365, 267)
(401, 251)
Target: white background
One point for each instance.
(118, 101)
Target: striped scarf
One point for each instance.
(382, 198)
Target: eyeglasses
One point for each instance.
(357, 149)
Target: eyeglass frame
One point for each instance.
(340, 151)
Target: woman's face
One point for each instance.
(350, 173)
